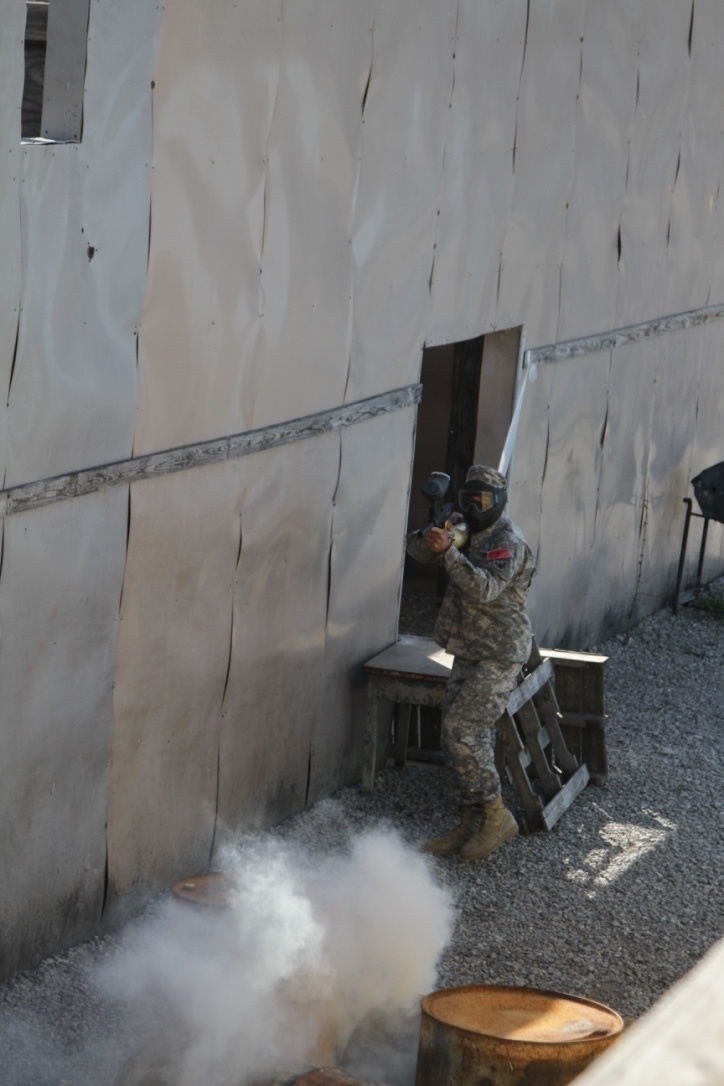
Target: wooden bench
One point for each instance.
(543, 750)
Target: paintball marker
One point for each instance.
(446, 516)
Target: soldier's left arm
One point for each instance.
(496, 569)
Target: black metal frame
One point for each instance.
(682, 556)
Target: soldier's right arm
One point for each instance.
(417, 549)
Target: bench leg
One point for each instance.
(372, 733)
(402, 732)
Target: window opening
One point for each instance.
(56, 33)
(36, 36)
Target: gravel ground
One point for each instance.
(620, 900)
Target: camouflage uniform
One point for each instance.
(483, 623)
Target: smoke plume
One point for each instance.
(310, 953)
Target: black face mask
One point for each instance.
(482, 507)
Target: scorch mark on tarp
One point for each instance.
(602, 436)
(223, 698)
(520, 81)
(331, 535)
(14, 360)
(266, 151)
(431, 277)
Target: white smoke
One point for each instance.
(310, 949)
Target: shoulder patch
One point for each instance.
(500, 554)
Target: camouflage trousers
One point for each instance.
(477, 694)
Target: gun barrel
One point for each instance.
(438, 518)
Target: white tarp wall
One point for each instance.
(329, 186)
(74, 227)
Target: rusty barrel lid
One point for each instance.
(507, 1036)
(522, 1015)
(212, 888)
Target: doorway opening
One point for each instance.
(468, 398)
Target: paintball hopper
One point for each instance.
(436, 486)
(446, 516)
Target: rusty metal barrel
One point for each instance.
(491, 1035)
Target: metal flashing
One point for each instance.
(78, 483)
(605, 341)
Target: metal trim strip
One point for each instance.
(42, 492)
(574, 348)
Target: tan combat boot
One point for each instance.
(498, 825)
(470, 817)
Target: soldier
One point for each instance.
(483, 623)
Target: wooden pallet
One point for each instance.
(531, 751)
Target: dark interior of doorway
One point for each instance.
(468, 396)
(36, 36)
(468, 393)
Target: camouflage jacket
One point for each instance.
(483, 616)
